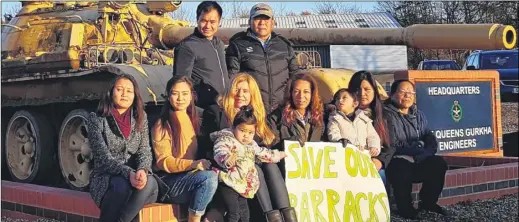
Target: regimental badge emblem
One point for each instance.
(456, 111)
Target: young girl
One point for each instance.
(235, 151)
(347, 123)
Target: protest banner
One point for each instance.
(329, 183)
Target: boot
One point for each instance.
(274, 216)
(289, 214)
(193, 217)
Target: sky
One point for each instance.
(296, 7)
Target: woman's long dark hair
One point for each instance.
(376, 106)
(107, 104)
(315, 107)
(173, 124)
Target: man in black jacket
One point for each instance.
(267, 56)
(201, 56)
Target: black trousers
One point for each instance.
(122, 202)
(206, 95)
(402, 174)
(272, 193)
(236, 205)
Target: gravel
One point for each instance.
(501, 209)
(509, 119)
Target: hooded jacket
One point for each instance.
(409, 133)
(242, 176)
(360, 131)
(271, 65)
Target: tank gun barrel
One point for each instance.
(422, 36)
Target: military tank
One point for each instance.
(58, 59)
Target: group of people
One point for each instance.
(229, 158)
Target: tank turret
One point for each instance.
(50, 36)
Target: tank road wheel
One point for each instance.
(74, 151)
(29, 147)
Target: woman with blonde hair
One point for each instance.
(241, 93)
(244, 91)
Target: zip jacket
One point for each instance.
(204, 61)
(271, 64)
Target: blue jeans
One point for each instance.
(196, 188)
(122, 202)
(382, 174)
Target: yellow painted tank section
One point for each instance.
(330, 81)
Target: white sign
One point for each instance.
(327, 182)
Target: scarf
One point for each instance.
(368, 112)
(123, 120)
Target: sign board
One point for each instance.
(458, 113)
(462, 108)
(329, 183)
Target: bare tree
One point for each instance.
(451, 12)
(235, 9)
(183, 13)
(280, 10)
(335, 8)
(460, 12)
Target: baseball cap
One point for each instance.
(261, 9)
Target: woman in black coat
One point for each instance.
(120, 182)
(300, 117)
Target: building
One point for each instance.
(375, 58)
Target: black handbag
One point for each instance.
(164, 189)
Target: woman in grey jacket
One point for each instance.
(118, 136)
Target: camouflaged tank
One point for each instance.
(59, 58)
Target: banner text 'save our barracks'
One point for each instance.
(327, 182)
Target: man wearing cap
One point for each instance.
(271, 60)
(267, 56)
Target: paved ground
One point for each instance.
(503, 210)
(509, 118)
(510, 123)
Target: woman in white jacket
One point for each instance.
(349, 124)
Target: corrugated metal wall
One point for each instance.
(322, 50)
(350, 20)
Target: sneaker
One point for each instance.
(433, 208)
